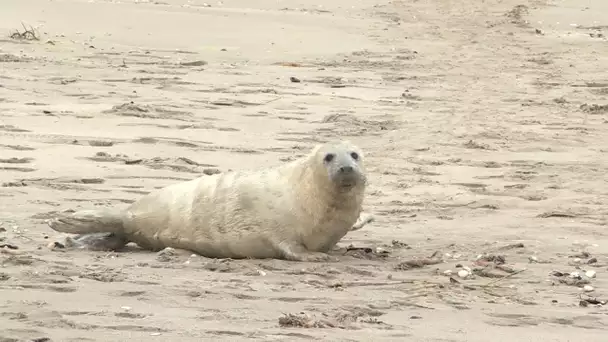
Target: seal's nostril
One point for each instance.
(346, 169)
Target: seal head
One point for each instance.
(343, 166)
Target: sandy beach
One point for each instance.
(485, 127)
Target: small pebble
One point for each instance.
(532, 258)
(262, 273)
(55, 245)
(447, 272)
(577, 260)
(588, 288)
(575, 275)
(336, 284)
(126, 308)
(463, 273)
(590, 274)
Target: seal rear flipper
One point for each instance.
(89, 221)
(98, 241)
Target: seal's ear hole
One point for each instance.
(354, 155)
(329, 157)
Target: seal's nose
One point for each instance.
(346, 169)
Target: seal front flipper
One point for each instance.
(297, 252)
(362, 221)
(89, 221)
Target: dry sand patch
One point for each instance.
(485, 126)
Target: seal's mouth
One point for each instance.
(346, 178)
(345, 184)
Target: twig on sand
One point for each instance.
(492, 283)
(27, 34)
(241, 102)
(417, 263)
(416, 295)
(382, 283)
(511, 246)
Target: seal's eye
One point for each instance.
(329, 157)
(354, 155)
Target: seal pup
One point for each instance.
(296, 211)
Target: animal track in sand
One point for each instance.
(172, 141)
(16, 160)
(18, 147)
(57, 139)
(11, 128)
(51, 288)
(19, 169)
(180, 164)
(62, 183)
(148, 112)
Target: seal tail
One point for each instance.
(89, 221)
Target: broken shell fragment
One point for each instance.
(463, 274)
